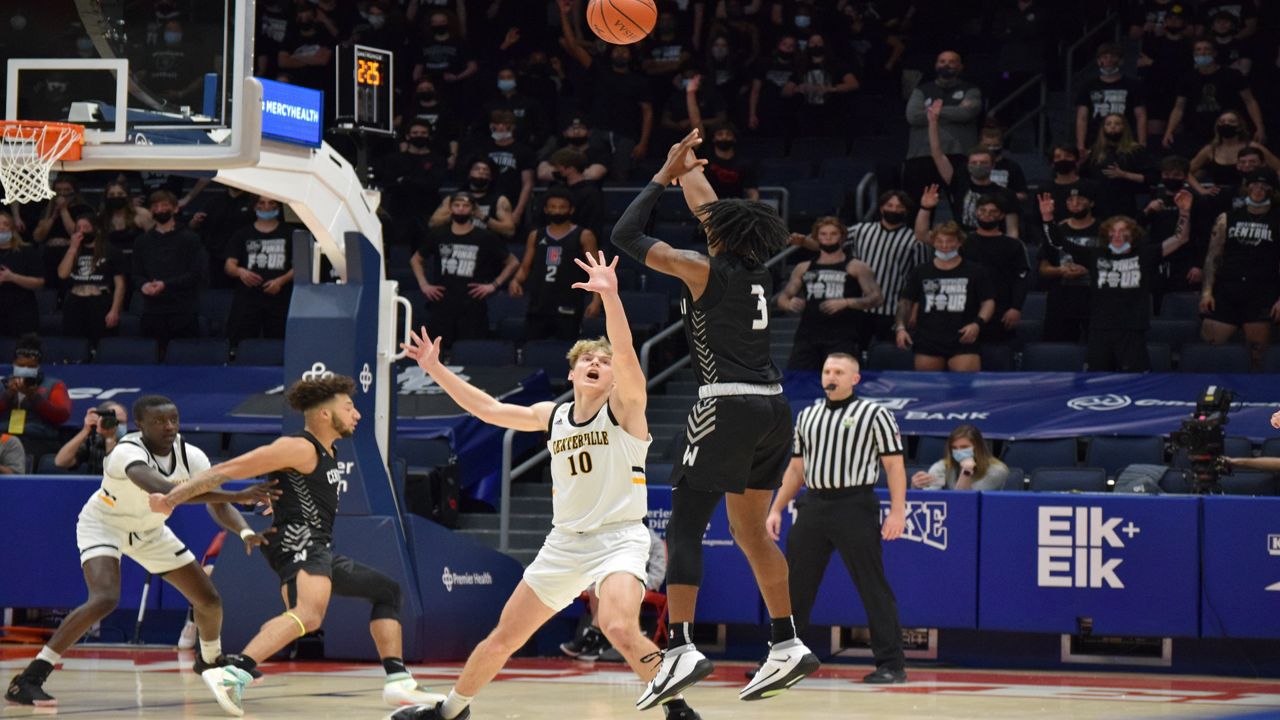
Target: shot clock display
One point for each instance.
(364, 88)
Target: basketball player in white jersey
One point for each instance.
(116, 520)
(598, 445)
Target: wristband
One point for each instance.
(245, 533)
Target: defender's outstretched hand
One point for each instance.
(423, 350)
(601, 278)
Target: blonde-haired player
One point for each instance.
(598, 444)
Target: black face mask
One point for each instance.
(1064, 167)
(577, 141)
(786, 56)
(831, 249)
(419, 141)
(726, 145)
(306, 27)
(461, 218)
(990, 224)
(426, 97)
(817, 53)
(162, 217)
(1228, 131)
(1079, 214)
(115, 203)
(620, 62)
(557, 218)
(88, 238)
(478, 184)
(1173, 185)
(947, 73)
(440, 34)
(1113, 136)
(893, 217)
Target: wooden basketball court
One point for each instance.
(158, 683)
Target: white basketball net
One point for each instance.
(24, 168)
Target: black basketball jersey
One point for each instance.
(728, 327)
(827, 281)
(1252, 250)
(310, 499)
(551, 279)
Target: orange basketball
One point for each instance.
(622, 22)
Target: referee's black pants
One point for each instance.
(847, 521)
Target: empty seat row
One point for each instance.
(146, 351)
(1070, 357)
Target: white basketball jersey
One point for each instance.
(121, 503)
(597, 471)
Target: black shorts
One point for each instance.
(735, 443)
(945, 349)
(1236, 302)
(298, 547)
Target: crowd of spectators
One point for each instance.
(498, 100)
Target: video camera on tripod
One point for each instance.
(1203, 436)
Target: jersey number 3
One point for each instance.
(762, 306)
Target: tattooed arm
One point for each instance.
(286, 452)
(1217, 241)
(1182, 233)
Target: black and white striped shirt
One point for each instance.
(842, 442)
(891, 254)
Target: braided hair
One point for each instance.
(751, 230)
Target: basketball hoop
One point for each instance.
(28, 151)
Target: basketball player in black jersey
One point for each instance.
(546, 272)
(301, 551)
(738, 437)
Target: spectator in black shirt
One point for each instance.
(468, 265)
(1204, 93)
(307, 51)
(410, 180)
(547, 271)
(93, 274)
(443, 57)
(1165, 57)
(874, 53)
(690, 103)
(954, 299)
(1005, 171)
(1066, 314)
(771, 112)
(1215, 164)
(664, 55)
(512, 160)
(492, 210)
(1120, 165)
(259, 257)
(531, 121)
(577, 136)
(103, 427)
(725, 68)
(21, 275)
(1066, 179)
(1111, 93)
(1182, 270)
(822, 84)
(1233, 52)
(171, 68)
(968, 183)
(1242, 270)
(445, 128)
(123, 220)
(730, 174)
(1123, 272)
(168, 264)
(588, 199)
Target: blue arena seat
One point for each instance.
(1174, 332)
(1180, 306)
(1205, 358)
(1017, 480)
(1270, 363)
(647, 312)
(58, 350)
(215, 306)
(845, 171)
(996, 357)
(1175, 481)
(930, 449)
(209, 442)
(817, 148)
(1271, 447)
(1053, 479)
(1113, 453)
(241, 443)
(812, 199)
(1055, 452)
(779, 171)
(1161, 357)
(1052, 357)
(126, 351)
(1033, 307)
(268, 352)
(888, 356)
(7, 346)
(489, 353)
(196, 351)
(548, 356)
(1244, 482)
(424, 453)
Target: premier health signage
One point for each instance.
(291, 114)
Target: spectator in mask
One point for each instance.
(530, 116)
(411, 180)
(1204, 93)
(21, 275)
(1066, 314)
(725, 69)
(960, 106)
(731, 175)
(1005, 172)
(951, 299)
(576, 135)
(444, 126)
(1166, 37)
(492, 208)
(1120, 165)
(664, 55)
(33, 405)
(1215, 164)
(770, 112)
(1067, 180)
(260, 260)
(168, 264)
(444, 57)
(122, 220)
(968, 182)
(103, 428)
(823, 83)
(690, 103)
(1111, 93)
(569, 169)
(94, 275)
(968, 465)
(512, 161)
(1183, 269)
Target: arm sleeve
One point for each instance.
(628, 233)
(915, 109)
(965, 112)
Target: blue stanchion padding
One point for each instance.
(464, 586)
(40, 562)
(1131, 564)
(729, 593)
(1241, 577)
(210, 97)
(932, 567)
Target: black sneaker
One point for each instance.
(200, 665)
(243, 663)
(24, 690)
(425, 712)
(586, 647)
(683, 712)
(885, 676)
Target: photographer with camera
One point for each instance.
(103, 427)
(33, 405)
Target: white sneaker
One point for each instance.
(787, 664)
(680, 668)
(187, 639)
(228, 683)
(401, 689)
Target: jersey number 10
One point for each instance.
(582, 465)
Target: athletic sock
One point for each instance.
(679, 635)
(394, 665)
(453, 705)
(210, 650)
(782, 629)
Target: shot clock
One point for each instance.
(364, 88)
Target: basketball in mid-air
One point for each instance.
(622, 22)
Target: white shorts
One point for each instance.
(569, 563)
(157, 550)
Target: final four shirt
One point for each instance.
(265, 253)
(597, 471)
(474, 257)
(122, 504)
(90, 271)
(1252, 251)
(828, 281)
(948, 299)
(1120, 290)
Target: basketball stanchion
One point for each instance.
(142, 612)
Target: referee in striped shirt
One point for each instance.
(839, 442)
